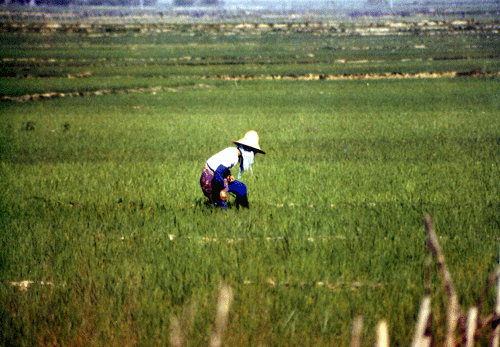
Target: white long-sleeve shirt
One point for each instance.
(227, 157)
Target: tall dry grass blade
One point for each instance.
(493, 278)
(438, 254)
(471, 327)
(187, 325)
(180, 328)
(175, 337)
(428, 264)
(223, 305)
(453, 316)
(357, 330)
(420, 339)
(495, 340)
(382, 334)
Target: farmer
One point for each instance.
(216, 179)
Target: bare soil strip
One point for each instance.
(308, 77)
(53, 95)
(368, 76)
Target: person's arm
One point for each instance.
(219, 175)
(219, 178)
(222, 162)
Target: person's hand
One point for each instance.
(230, 178)
(223, 195)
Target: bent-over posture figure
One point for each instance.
(216, 179)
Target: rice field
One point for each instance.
(106, 238)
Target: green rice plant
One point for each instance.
(101, 206)
(110, 212)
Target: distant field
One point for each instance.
(204, 50)
(102, 210)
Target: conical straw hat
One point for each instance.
(251, 140)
